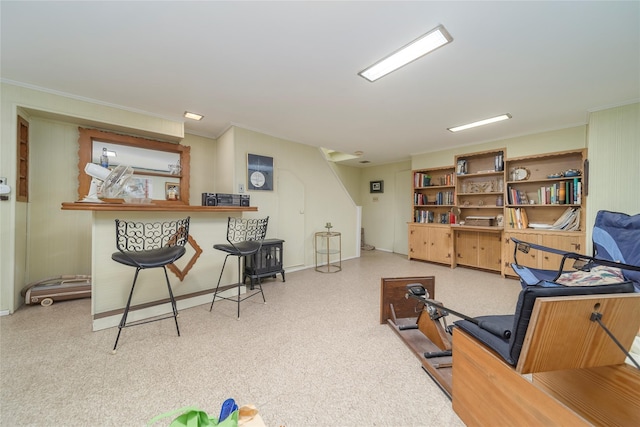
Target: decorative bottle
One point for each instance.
(104, 159)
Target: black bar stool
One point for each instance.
(245, 237)
(149, 245)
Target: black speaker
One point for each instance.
(223, 199)
(209, 199)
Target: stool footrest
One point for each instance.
(235, 299)
(152, 319)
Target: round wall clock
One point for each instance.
(520, 174)
(257, 179)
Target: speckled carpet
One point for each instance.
(314, 355)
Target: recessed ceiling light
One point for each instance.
(193, 116)
(480, 123)
(419, 47)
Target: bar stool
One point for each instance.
(245, 237)
(149, 245)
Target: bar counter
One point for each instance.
(153, 207)
(193, 277)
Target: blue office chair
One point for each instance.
(244, 237)
(149, 245)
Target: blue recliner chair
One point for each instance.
(616, 256)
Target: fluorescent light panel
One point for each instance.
(193, 116)
(421, 46)
(480, 123)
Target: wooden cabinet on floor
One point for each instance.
(430, 242)
(479, 248)
(564, 241)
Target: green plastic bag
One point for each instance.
(190, 416)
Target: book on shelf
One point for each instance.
(424, 216)
(421, 179)
(517, 218)
(569, 220)
(517, 197)
(441, 198)
(563, 192)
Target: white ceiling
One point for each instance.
(289, 69)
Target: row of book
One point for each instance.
(425, 216)
(560, 193)
(517, 218)
(425, 180)
(569, 220)
(441, 198)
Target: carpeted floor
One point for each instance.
(314, 355)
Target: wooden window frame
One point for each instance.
(22, 156)
(85, 142)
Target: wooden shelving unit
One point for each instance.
(547, 187)
(480, 187)
(480, 200)
(433, 199)
(475, 226)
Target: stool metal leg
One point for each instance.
(123, 321)
(219, 279)
(174, 307)
(261, 291)
(239, 284)
(238, 298)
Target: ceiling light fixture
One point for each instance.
(419, 47)
(480, 123)
(193, 116)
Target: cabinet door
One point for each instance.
(490, 251)
(530, 259)
(569, 243)
(467, 248)
(440, 245)
(418, 237)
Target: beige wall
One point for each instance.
(351, 178)
(613, 141)
(40, 240)
(546, 142)
(14, 216)
(384, 215)
(614, 162)
(302, 203)
(30, 233)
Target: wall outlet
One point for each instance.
(240, 188)
(3, 181)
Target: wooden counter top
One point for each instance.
(160, 207)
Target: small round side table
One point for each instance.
(328, 247)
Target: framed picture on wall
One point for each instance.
(259, 172)
(172, 190)
(376, 186)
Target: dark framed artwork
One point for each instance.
(259, 172)
(376, 186)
